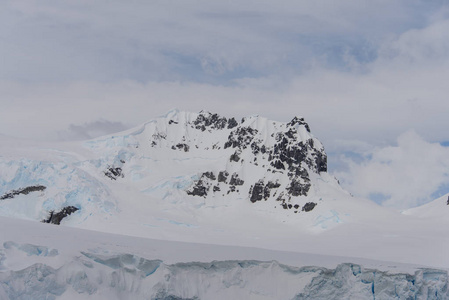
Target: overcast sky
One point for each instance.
(370, 77)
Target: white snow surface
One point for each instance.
(143, 221)
(42, 261)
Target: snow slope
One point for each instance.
(437, 210)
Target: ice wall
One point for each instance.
(126, 276)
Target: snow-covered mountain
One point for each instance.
(204, 178)
(186, 169)
(188, 159)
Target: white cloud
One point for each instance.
(406, 174)
(364, 71)
(49, 41)
(90, 130)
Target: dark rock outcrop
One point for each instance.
(284, 151)
(23, 191)
(296, 188)
(199, 189)
(235, 180)
(308, 206)
(261, 191)
(240, 138)
(235, 157)
(181, 146)
(223, 176)
(56, 218)
(114, 172)
(209, 175)
(298, 121)
(213, 121)
(257, 191)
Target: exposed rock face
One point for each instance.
(241, 137)
(235, 180)
(257, 191)
(181, 146)
(199, 189)
(206, 120)
(203, 185)
(296, 188)
(284, 155)
(23, 191)
(308, 206)
(286, 150)
(261, 191)
(223, 176)
(113, 173)
(56, 218)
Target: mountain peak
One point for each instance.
(197, 159)
(256, 158)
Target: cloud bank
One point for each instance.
(361, 72)
(409, 174)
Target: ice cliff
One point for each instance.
(93, 275)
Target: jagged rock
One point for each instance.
(235, 180)
(203, 185)
(232, 123)
(267, 189)
(199, 189)
(209, 175)
(287, 153)
(299, 121)
(256, 191)
(213, 121)
(23, 191)
(235, 157)
(296, 188)
(308, 206)
(261, 191)
(281, 197)
(181, 146)
(113, 173)
(299, 172)
(223, 176)
(277, 164)
(240, 138)
(56, 218)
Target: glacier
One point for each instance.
(43, 261)
(127, 276)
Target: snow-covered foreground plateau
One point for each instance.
(41, 261)
(198, 206)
